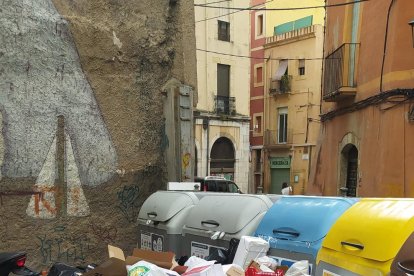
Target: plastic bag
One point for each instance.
(300, 268)
(143, 268)
(61, 269)
(268, 262)
(194, 261)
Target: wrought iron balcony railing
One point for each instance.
(339, 72)
(278, 137)
(225, 105)
(291, 35)
(280, 86)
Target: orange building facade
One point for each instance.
(367, 116)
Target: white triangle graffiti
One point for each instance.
(76, 201)
(43, 206)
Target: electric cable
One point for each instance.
(373, 100)
(251, 57)
(210, 18)
(281, 9)
(216, 2)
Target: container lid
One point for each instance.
(404, 261)
(227, 213)
(301, 221)
(163, 205)
(373, 228)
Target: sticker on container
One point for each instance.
(328, 273)
(202, 250)
(288, 262)
(151, 241)
(157, 242)
(138, 271)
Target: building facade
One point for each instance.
(292, 91)
(367, 111)
(222, 115)
(83, 126)
(257, 40)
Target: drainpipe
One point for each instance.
(385, 45)
(206, 126)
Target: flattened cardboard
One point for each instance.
(116, 252)
(161, 259)
(255, 265)
(235, 271)
(112, 267)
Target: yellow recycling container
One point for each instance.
(366, 238)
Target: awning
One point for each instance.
(281, 70)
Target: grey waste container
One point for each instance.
(222, 216)
(161, 219)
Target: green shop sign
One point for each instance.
(279, 162)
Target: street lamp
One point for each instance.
(411, 23)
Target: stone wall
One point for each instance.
(82, 119)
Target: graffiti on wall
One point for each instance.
(61, 245)
(42, 78)
(128, 202)
(104, 233)
(186, 160)
(74, 201)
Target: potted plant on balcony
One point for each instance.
(285, 83)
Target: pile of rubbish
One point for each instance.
(247, 257)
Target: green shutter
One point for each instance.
(303, 22)
(293, 25)
(283, 28)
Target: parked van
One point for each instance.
(217, 184)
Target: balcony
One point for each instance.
(275, 139)
(292, 35)
(225, 105)
(339, 73)
(282, 86)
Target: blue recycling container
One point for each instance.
(295, 226)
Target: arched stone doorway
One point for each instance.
(349, 170)
(222, 158)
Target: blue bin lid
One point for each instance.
(299, 223)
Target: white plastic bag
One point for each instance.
(143, 268)
(300, 268)
(208, 270)
(268, 262)
(194, 261)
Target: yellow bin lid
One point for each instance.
(373, 228)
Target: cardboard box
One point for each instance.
(116, 265)
(233, 270)
(161, 259)
(112, 267)
(250, 248)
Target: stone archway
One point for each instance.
(350, 170)
(222, 158)
(349, 166)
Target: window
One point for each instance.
(258, 124)
(282, 125)
(301, 67)
(233, 187)
(259, 74)
(281, 70)
(221, 186)
(223, 30)
(259, 25)
(223, 80)
(211, 185)
(258, 164)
